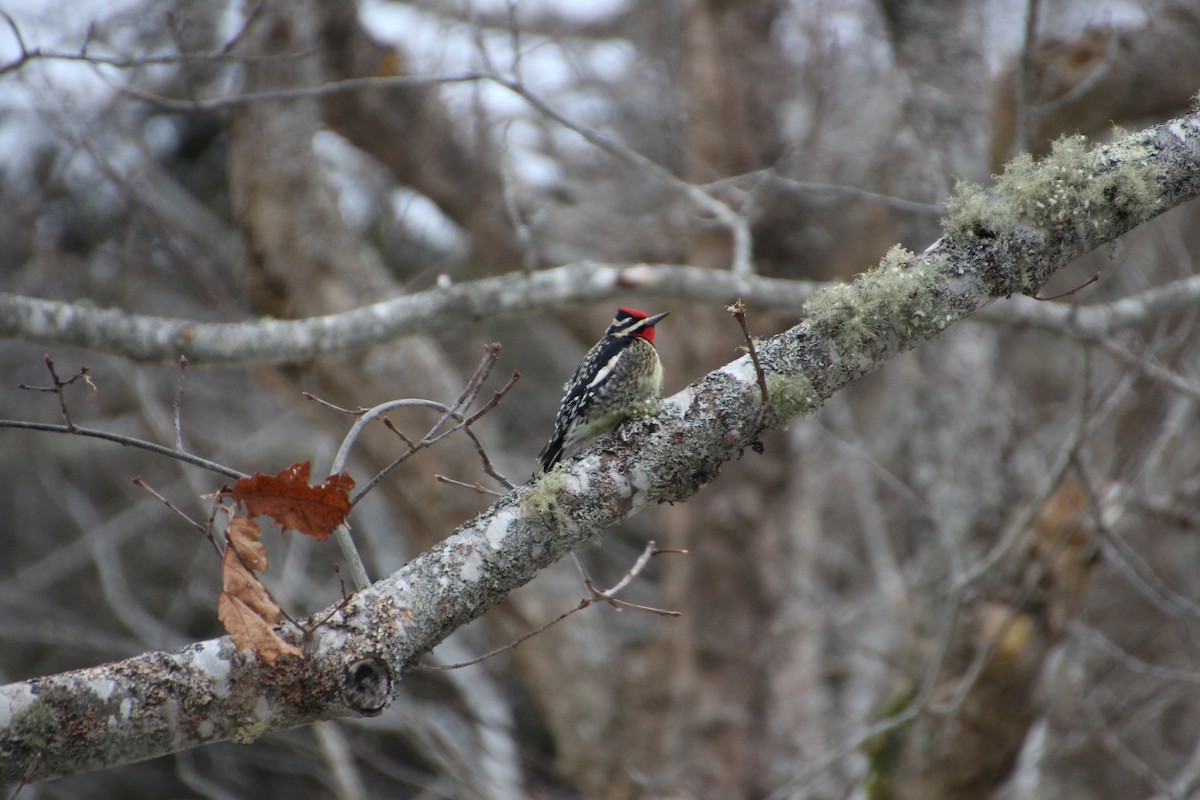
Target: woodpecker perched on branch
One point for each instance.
(619, 374)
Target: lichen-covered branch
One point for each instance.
(1009, 242)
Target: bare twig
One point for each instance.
(337, 570)
(1151, 369)
(475, 486)
(491, 354)
(738, 310)
(27, 54)
(737, 224)
(218, 506)
(142, 338)
(1112, 742)
(1031, 584)
(17, 62)
(495, 400)
(331, 613)
(584, 603)
(145, 338)
(1095, 638)
(414, 447)
(178, 404)
(128, 441)
(606, 596)
(769, 177)
(438, 431)
(249, 18)
(1141, 575)
(27, 776)
(357, 412)
(648, 552)
(489, 468)
(1070, 292)
(391, 426)
(141, 483)
(332, 87)
(610, 595)
(57, 388)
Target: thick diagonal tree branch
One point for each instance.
(1041, 218)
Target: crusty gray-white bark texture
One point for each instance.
(1040, 219)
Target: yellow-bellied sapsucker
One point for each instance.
(620, 373)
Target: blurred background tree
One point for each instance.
(971, 575)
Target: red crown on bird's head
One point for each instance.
(646, 333)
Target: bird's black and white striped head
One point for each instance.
(630, 322)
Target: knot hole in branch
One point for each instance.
(368, 685)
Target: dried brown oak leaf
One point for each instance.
(244, 607)
(249, 630)
(240, 581)
(288, 499)
(244, 534)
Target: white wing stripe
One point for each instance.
(603, 372)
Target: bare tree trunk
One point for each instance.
(409, 130)
(1104, 76)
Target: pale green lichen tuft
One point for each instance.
(790, 397)
(646, 407)
(971, 211)
(543, 497)
(894, 297)
(1074, 188)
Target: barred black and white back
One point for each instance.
(621, 371)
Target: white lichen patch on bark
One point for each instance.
(498, 528)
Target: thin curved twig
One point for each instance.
(128, 441)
